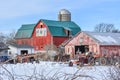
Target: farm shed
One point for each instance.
(95, 42)
(47, 32)
(15, 49)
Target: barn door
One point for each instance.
(81, 49)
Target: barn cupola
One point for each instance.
(64, 15)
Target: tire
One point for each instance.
(70, 64)
(103, 61)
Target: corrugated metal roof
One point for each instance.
(25, 31)
(57, 31)
(56, 28)
(105, 38)
(21, 46)
(69, 24)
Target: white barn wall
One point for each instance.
(17, 51)
(30, 51)
(13, 51)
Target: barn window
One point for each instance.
(41, 26)
(41, 32)
(67, 31)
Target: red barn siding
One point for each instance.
(24, 41)
(70, 47)
(41, 41)
(37, 41)
(58, 40)
(93, 45)
(110, 49)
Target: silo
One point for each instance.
(64, 15)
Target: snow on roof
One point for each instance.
(105, 38)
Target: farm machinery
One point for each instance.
(41, 57)
(81, 60)
(96, 59)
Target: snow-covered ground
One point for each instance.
(53, 71)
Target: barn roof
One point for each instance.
(105, 38)
(21, 46)
(99, 37)
(56, 28)
(25, 31)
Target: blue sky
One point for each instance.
(86, 13)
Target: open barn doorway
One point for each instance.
(81, 49)
(24, 52)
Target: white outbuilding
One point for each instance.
(15, 49)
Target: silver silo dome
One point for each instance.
(64, 15)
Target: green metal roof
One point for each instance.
(25, 31)
(69, 24)
(57, 31)
(56, 28)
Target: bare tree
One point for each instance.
(10, 37)
(2, 37)
(51, 50)
(104, 27)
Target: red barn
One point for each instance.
(47, 32)
(98, 43)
